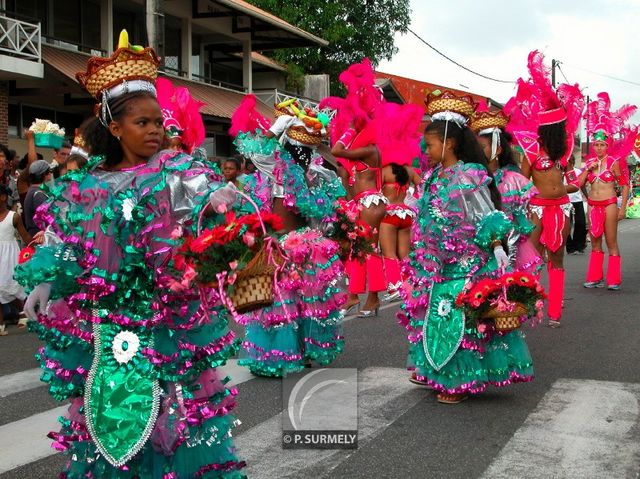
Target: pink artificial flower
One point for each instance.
(233, 265)
(249, 239)
(352, 235)
(482, 327)
(177, 232)
(188, 275)
(221, 208)
(176, 286)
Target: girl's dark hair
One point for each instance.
(506, 156)
(7, 153)
(5, 190)
(99, 138)
(553, 139)
(401, 174)
(235, 161)
(467, 149)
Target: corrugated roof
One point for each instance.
(253, 11)
(218, 102)
(413, 91)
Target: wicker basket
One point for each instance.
(489, 119)
(253, 288)
(279, 111)
(301, 134)
(507, 320)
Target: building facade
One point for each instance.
(212, 47)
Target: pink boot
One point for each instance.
(376, 279)
(555, 295)
(357, 274)
(614, 272)
(594, 271)
(392, 269)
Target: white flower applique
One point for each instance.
(125, 346)
(444, 307)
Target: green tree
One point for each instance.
(354, 30)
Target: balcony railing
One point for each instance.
(273, 97)
(20, 39)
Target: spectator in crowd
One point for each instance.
(60, 157)
(231, 170)
(577, 240)
(39, 173)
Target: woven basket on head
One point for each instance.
(279, 111)
(486, 119)
(124, 64)
(449, 101)
(301, 134)
(253, 288)
(507, 320)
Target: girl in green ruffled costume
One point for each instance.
(304, 324)
(457, 239)
(134, 354)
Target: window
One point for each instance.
(172, 44)
(67, 25)
(91, 24)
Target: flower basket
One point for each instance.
(507, 320)
(253, 288)
(505, 301)
(48, 140)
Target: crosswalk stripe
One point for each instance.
(581, 428)
(19, 382)
(384, 394)
(26, 441)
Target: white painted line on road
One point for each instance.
(581, 428)
(239, 374)
(25, 441)
(19, 382)
(384, 394)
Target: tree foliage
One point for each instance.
(354, 30)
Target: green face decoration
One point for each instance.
(173, 132)
(599, 135)
(121, 398)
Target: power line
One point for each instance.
(606, 76)
(455, 62)
(563, 75)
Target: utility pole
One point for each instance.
(155, 25)
(554, 63)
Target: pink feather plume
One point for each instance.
(246, 118)
(181, 110)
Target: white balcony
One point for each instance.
(20, 49)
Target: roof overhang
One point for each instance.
(219, 103)
(267, 31)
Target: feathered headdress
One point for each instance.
(537, 103)
(604, 124)
(181, 114)
(398, 132)
(246, 118)
(359, 105)
(612, 128)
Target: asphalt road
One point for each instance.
(582, 408)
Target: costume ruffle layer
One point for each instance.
(304, 323)
(114, 233)
(452, 237)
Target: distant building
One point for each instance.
(210, 46)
